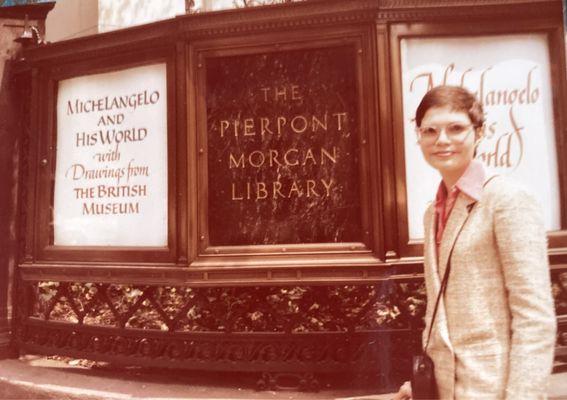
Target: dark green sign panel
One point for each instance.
(283, 148)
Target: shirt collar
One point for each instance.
(470, 183)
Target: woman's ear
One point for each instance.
(478, 134)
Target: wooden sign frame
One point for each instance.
(557, 239)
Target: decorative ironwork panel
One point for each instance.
(296, 329)
(288, 333)
(389, 305)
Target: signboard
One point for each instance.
(283, 147)
(111, 170)
(510, 75)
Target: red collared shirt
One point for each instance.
(470, 183)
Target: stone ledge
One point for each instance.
(39, 378)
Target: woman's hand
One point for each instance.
(404, 393)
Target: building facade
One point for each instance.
(240, 189)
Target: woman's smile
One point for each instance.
(443, 153)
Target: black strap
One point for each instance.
(446, 275)
(441, 291)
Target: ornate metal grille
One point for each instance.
(298, 330)
(256, 309)
(367, 330)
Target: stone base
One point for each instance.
(36, 377)
(7, 348)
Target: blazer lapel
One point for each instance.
(455, 222)
(434, 281)
(439, 261)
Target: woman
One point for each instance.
(494, 333)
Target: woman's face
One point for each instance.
(447, 140)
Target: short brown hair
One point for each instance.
(456, 98)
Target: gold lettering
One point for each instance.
(287, 162)
(280, 92)
(248, 126)
(316, 123)
(281, 122)
(327, 186)
(224, 124)
(291, 157)
(234, 197)
(261, 192)
(309, 156)
(235, 124)
(276, 188)
(261, 158)
(339, 115)
(311, 188)
(325, 153)
(294, 188)
(295, 92)
(233, 163)
(301, 118)
(264, 122)
(276, 125)
(274, 158)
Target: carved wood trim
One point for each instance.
(489, 11)
(33, 11)
(452, 3)
(284, 17)
(306, 273)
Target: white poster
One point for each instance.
(111, 170)
(510, 75)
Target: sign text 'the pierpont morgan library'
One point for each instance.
(283, 147)
(111, 171)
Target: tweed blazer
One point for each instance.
(494, 334)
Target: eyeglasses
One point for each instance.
(456, 132)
